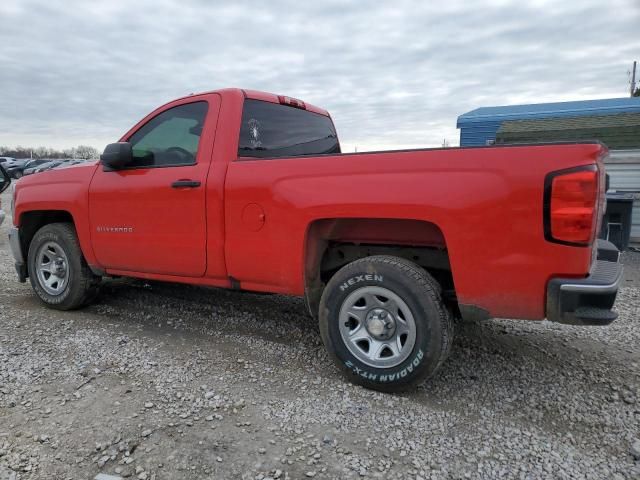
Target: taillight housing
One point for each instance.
(571, 199)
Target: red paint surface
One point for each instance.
(487, 204)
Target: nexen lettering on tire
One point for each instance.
(360, 278)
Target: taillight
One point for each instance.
(571, 206)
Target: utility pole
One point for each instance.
(633, 79)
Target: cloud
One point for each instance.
(393, 74)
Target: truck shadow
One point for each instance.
(186, 307)
(529, 356)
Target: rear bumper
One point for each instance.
(16, 250)
(587, 301)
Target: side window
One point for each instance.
(273, 130)
(170, 138)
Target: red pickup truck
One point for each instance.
(248, 190)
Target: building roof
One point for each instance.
(617, 131)
(606, 106)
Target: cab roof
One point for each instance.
(257, 95)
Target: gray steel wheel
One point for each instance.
(52, 268)
(377, 327)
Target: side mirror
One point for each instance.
(116, 155)
(5, 179)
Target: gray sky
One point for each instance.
(393, 74)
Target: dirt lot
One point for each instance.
(174, 382)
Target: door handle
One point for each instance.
(185, 184)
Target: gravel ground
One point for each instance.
(178, 382)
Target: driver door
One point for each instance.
(150, 216)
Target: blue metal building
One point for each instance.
(481, 126)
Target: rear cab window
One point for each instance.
(271, 130)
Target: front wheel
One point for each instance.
(58, 271)
(383, 322)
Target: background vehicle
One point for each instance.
(18, 162)
(18, 169)
(42, 167)
(69, 163)
(10, 162)
(385, 246)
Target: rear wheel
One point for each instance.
(383, 321)
(58, 271)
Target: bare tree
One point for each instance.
(86, 152)
(42, 152)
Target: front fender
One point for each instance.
(64, 190)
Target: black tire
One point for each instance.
(17, 175)
(81, 286)
(421, 294)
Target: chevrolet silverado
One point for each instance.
(248, 190)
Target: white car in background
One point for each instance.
(7, 161)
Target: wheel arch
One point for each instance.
(33, 220)
(30, 221)
(331, 243)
